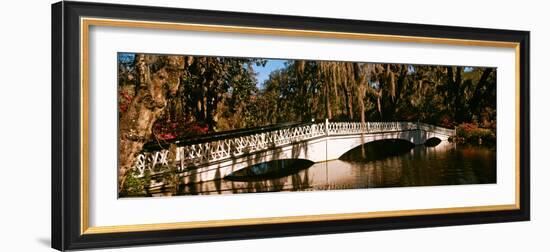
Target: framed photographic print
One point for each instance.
(180, 125)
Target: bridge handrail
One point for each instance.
(223, 148)
(336, 128)
(436, 129)
(210, 137)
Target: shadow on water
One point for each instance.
(377, 150)
(270, 170)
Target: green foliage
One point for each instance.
(221, 93)
(440, 95)
(135, 186)
(471, 133)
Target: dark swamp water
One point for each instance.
(389, 163)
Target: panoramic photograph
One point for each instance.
(209, 125)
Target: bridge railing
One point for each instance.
(344, 128)
(436, 129)
(226, 148)
(198, 153)
(206, 152)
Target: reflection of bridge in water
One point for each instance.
(214, 157)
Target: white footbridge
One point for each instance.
(214, 158)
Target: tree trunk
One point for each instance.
(478, 94)
(348, 100)
(328, 107)
(459, 105)
(158, 76)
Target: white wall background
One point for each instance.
(25, 124)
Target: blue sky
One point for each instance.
(125, 57)
(270, 66)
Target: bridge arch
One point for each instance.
(340, 144)
(377, 149)
(433, 141)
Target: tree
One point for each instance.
(157, 78)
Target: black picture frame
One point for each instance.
(66, 126)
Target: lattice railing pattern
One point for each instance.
(345, 128)
(202, 153)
